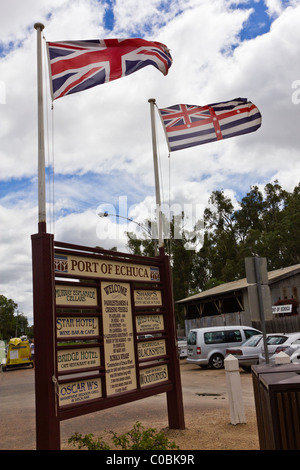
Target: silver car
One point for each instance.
(287, 343)
(182, 347)
(207, 346)
(295, 357)
(248, 353)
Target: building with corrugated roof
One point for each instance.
(232, 304)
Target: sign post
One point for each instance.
(104, 331)
(257, 274)
(46, 410)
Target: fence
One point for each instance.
(287, 324)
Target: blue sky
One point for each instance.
(99, 141)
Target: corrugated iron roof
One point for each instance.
(273, 276)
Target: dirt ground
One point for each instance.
(206, 414)
(215, 432)
(211, 430)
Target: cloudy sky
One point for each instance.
(98, 142)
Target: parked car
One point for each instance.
(285, 342)
(145, 336)
(248, 353)
(207, 346)
(295, 357)
(182, 347)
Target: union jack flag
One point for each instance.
(188, 125)
(79, 65)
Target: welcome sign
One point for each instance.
(118, 337)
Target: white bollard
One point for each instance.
(233, 380)
(282, 358)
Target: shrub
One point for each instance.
(138, 438)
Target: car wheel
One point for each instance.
(216, 361)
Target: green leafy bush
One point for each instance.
(138, 438)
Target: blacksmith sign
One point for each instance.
(104, 333)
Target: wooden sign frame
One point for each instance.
(103, 359)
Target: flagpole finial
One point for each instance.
(39, 26)
(151, 100)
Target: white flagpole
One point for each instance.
(156, 175)
(41, 145)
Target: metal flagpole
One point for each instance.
(46, 415)
(156, 175)
(41, 145)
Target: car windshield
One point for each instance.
(276, 339)
(253, 341)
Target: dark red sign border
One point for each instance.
(48, 412)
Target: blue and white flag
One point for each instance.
(189, 125)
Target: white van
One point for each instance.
(207, 346)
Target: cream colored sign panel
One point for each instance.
(76, 296)
(118, 337)
(154, 375)
(71, 359)
(151, 349)
(67, 327)
(94, 267)
(76, 392)
(147, 298)
(149, 323)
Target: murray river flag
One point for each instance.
(79, 65)
(188, 125)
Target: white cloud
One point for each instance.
(102, 137)
(275, 7)
(17, 223)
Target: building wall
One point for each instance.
(227, 319)
(285, 288)
(288, 288)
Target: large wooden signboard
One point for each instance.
(106, 321)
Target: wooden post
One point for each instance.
(233, 380)
(282, 358)
(174, 397)
(47, 423)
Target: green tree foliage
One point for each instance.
(265, 223)
(220, 237)
(11, 324)
(7, 320)
(176, 246)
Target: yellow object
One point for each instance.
(18, 353)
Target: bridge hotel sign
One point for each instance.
(104, 333)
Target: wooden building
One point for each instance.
(232, 303)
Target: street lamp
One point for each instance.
(106, 214)
(146, 229)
